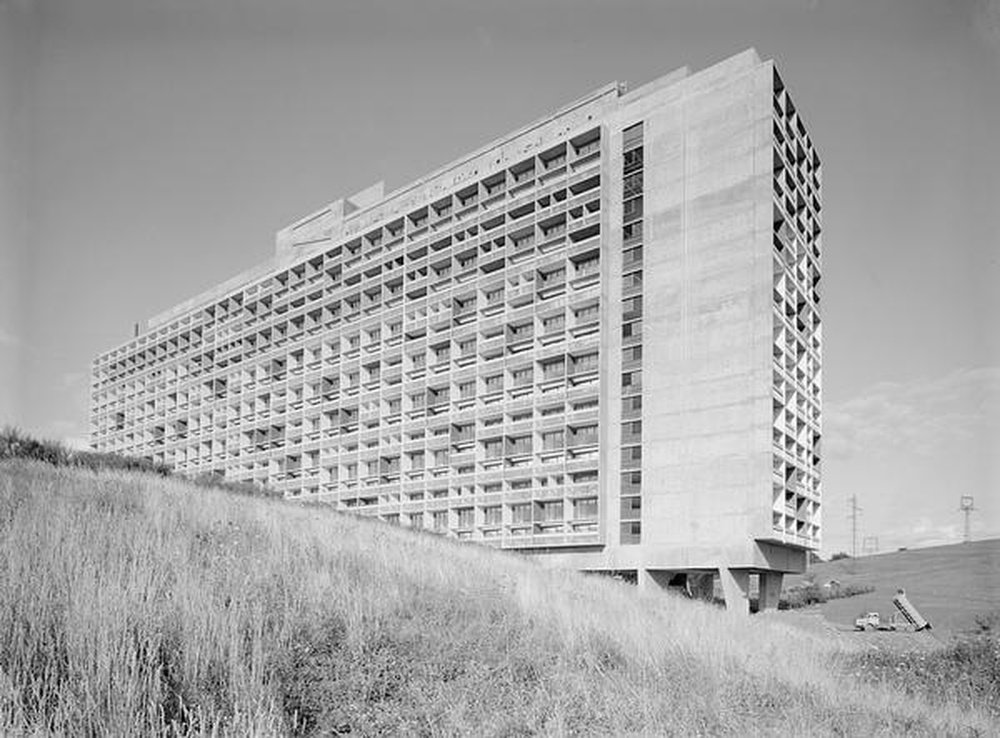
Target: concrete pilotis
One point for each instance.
(736, 590)
(770, 590)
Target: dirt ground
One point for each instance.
(812, 619)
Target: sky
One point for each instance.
(149, 150)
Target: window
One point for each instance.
(493, 515)
(585, 363)
(440, 520)
(631, 454)
(416, 520)
(631, 508)
(443, 208)
(632, 161)
(632, 353)
(551, 231)
(518, 332)
(553, 369)
(521, 377)
(493, 448)
(632, 308)
(552, 440)
(632, 330)
(588, 266)
(632, 381)
(465, 517)
(523, 174)
(632, 256)
(631, 532)
(519, 445)
(587, 314)
(632, 403)
(632, 136)
(521, 513)
(631, 482)
(552, 511)
(554, 323)
(633, 185)
(555, 276)
(632, 431)
(585, 509)
(554, 161)
(632, 210)
(467, 390)
(584, 435)
(523, 240)
(494, 383)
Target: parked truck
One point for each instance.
(907, 617)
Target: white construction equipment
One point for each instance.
(909, 612)
(907, 618)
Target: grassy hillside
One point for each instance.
(950, 585)
(133, 604)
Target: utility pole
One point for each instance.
(854, 525)
(966, 506)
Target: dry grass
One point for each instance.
(132, 605)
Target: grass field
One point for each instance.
(950, 585)
(132, 604)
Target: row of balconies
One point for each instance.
(249, 311)
(293, 370)
(329, 421)
(265, 375)
(283, 337)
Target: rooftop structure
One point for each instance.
(595, 340)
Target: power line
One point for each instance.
(967, 506)
(854, 525)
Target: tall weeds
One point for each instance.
(134, 604)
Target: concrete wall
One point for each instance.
(707, 332)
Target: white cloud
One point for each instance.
(921, 414)
(8, 339)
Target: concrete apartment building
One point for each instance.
(595, 340)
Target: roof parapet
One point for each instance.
(326, 223)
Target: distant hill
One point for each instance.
(950, 585)
(138, 605)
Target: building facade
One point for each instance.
(596, 340)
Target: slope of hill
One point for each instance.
(131, 604)
(950, 585)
